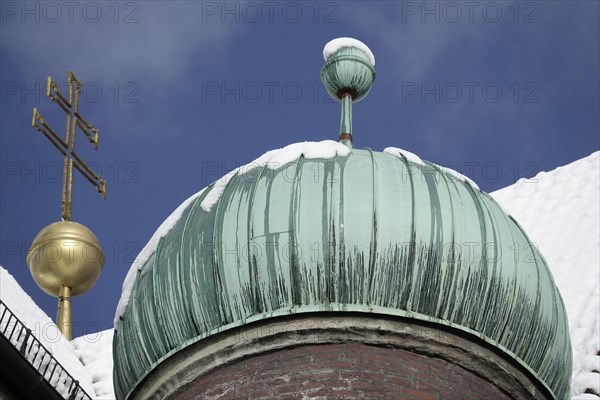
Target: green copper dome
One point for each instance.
(372, 232)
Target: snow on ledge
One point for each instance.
(336, 44)
(273, 159)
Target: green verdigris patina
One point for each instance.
(355, 231)
(370, 232)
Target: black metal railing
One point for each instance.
(31, 349)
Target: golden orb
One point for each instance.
(65, 253)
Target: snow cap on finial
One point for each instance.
(334, 45)
(349, 68)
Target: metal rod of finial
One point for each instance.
(346, 121)
(348, 75)
(63, 316)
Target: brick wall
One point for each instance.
(341, 371)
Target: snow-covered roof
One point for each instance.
(88, 358)
(560, 211)
(95, 352)
(42, 327)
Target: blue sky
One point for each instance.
(182, 92)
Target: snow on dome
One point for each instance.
(336, 44)
(412, 157)
(273, 159)
(95, 352)
(400, 153)
(146, 252)
(560, 211)
(458, 175)
(44, 329)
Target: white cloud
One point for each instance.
(154, 47)
(161, 41)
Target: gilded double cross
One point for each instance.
(67, 145)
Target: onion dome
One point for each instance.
(321, 227)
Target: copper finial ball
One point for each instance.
(68, 254)
(348, 70)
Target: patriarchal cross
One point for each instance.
(67, 145)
